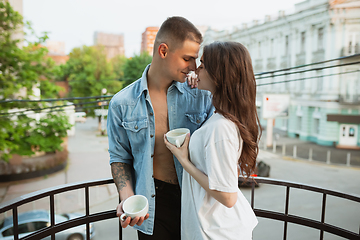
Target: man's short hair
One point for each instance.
(175, 31)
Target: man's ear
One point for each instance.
(163, 50)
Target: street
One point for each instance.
(88, 160)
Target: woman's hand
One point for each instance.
(192, 79)
(181, 153)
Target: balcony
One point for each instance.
(318, 55)
(258, 67)
(285, 61)
(322, 226)
(349, 99)
(271, 63)
(348, 51)
(300, 59)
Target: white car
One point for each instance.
(80, 117)
(32, 221)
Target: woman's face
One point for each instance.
(204, 82)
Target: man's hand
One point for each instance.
(128, 221)
(192, 79)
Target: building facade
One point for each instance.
(113, 43)
(325, 97)
(148, 39)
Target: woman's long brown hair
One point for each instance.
(229, 65)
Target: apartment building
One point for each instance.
(113, 43)
(324, 98)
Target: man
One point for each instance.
(141, 114)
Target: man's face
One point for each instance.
(181, 61)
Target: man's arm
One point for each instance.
(122, 175)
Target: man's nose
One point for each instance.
(192, 65)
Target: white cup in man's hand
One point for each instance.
(177, 136)
(135, 206)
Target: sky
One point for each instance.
(75, 21)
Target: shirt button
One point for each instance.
(156, 187)
(136, 127)
(152, 155)
(198, 121)
(153, 195)
(151, 135)
(151, 113)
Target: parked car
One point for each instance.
(32, 221)
(262, 170)
(80, 117)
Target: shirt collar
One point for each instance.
(143, 81)
(144, 85)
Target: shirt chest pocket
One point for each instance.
(136, 131)
(196, 118)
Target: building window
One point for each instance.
(351, 132)
(319, 80)
(302, 47)
(286, 45)
(316, 126)
(302, 82)
(299, 123)
(321, 38)
(259, 49)
(271, 47)
(353, 46)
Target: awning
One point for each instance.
(341, 118)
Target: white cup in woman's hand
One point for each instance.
(135, 206)
(177, 136)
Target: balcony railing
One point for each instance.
(285, 217)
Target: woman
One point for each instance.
(212, 205)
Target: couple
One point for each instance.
(194, 186)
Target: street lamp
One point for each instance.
(103, 92)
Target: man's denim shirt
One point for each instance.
(131, 130)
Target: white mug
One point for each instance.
(177, 136)
(135, 206)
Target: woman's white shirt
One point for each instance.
(215, 149)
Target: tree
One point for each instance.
(134, 67)
(20, 70)
(118, 63)
(88, 72)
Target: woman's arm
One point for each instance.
(182, 154)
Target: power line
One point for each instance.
(52, 107)
(54, 99)
(301, 79)
(309, 64)
(307, 70)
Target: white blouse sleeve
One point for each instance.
(221, 159)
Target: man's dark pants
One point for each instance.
(167, 212)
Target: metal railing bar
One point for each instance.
(52, 214)
(46, 192)
(286, 211)
(307, 222)
(15, 224)
(120, 228)
(307, 187)
(87, 209)
(252, 194)
(70, 223)
(323, 208)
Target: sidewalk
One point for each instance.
(325, 154)
(88, 160)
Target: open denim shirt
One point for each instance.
(131, 130)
